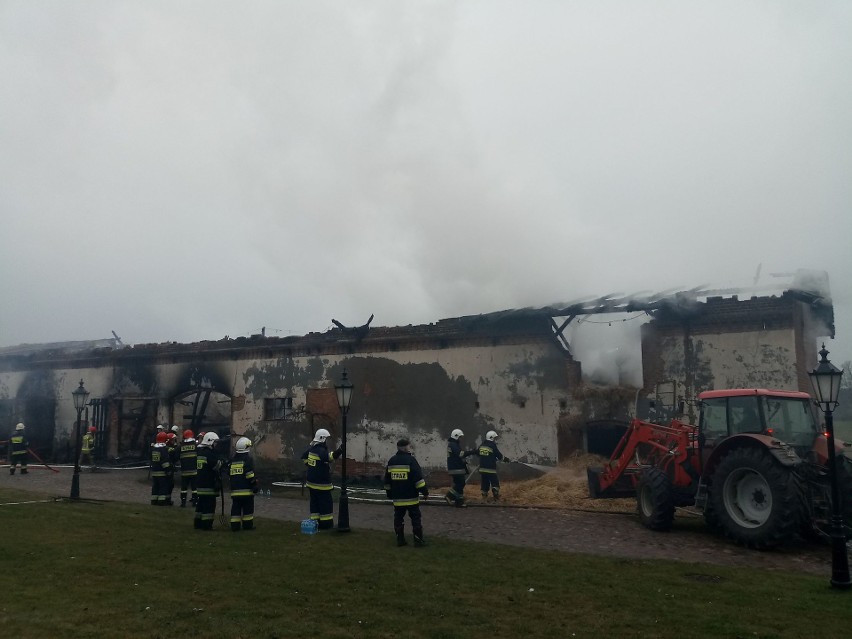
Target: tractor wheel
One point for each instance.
(655, 499)
(755, 499)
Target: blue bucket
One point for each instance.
(309, 527)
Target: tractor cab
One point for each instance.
(783, 415)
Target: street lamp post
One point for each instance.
(344, 396)
(825, 379)
(80, 395)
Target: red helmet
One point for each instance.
(92, 429)
(171, 437)
(187, 434)
(162, 437)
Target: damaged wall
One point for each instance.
(416, 381)
(766, 342)
(504, 371)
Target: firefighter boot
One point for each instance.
(484, 495)
(183, 501)
(496, 492)
(419, 542)
(451, 500)
(400, 537)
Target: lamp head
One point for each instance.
(80, 395)
(825, 379)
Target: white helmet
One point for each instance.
(457, 432)
(175, 429)
(321, 435)
(160, 427)
(209, 439)
(19, 426)
(243, 445)
(491, 435)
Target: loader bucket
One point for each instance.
(619, 488)
(593, 473)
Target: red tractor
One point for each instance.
(756, 466)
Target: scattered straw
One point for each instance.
(566, 486)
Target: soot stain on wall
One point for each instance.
(422, 396)
(268, 380)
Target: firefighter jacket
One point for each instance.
(88, 443)
(318, 462)
(18, 445)
(241, 474)
(208, 466)
(188, 458)
(489, 455)
(161, 465)
(456, 465)
(174, 455)
(404, 480)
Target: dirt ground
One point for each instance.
(615, 534)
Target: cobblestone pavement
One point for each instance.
(614, 535)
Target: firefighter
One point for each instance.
(243, 486)
(18, 446)
(403, 481)
(318, 478)
(489, 455)
(457, 468)
(160, 429)
(174, 461)
(207, 482)
(87, 452)
(161, 472)
(188, 468)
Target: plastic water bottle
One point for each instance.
(309, 527)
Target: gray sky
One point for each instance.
(190, 170)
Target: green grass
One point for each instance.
(123, 570)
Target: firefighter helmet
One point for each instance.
(92, 429)
(243, 445)
(175, 429)
(188, 434)
(491, 435)
(457, 432)
(171, 437)
(209, 439)
(19, 426)
(321, 435)
(160, 427)
(161, 438)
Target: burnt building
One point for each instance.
(511, 371)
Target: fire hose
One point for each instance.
(33, 453)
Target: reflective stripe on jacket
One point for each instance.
(456, 464)
(19, 445)
(404, 480)
(208, 464)
(489, 455)
(160, 463)
(318, 462)
(188, 458)
(241, 474)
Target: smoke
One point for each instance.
(609, 347)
